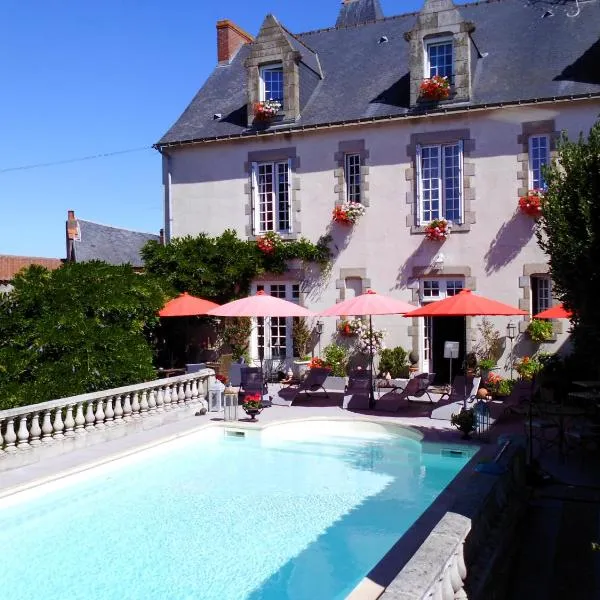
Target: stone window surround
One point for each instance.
(274, 155)
(529, 128)
(351, 147)
(419, 273)
(351, 273)
(448, 136)
(529, 270)
(291, 276)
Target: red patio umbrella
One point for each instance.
(465, 304)
(186, 305)
(369, 304)
(556, 312)
(260, 305)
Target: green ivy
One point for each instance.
(222, 268)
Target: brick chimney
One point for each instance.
(73, 235)
(230, 38)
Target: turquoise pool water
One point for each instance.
(214, 517)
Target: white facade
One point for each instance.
(208, 188)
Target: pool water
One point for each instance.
(219, 517)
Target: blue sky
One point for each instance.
(84, 78)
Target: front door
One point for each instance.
(447, 329)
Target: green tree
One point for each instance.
(81, 328)
(569, 232)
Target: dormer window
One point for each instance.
(271, 83)
(439, 59)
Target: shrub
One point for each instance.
(393, 361)
(527, 367)
(489, 347)
(236, 335)
(336, 358)
(539, 330)
(302, 336)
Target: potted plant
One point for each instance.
(527, 368)
(336, 358)
(531, 203)
(269, 242)
(302, 335)
(348, 213)
(464, 421)
(438, 230)
(470, 364)
(434, 88)
(485, 365)
(539, 330)
(252, 405)
(348, 327)
(266, 110)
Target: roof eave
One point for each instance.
(443, 110)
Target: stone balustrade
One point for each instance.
(28, 427)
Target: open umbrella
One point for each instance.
(260, 305)
(369, 304)
(465, 304)
(556, 312)
(186, 305)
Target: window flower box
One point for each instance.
(267, 110)
(434, 88)
(438, 230)
(349, 327)
(348, 213)
(269, 242)
(531, 204)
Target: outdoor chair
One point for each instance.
(417, 387)
(252, 381)
(358, 388)
(313, 382)
(457, 390)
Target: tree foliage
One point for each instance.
(222, 268)
(81, 328)
(569, 232)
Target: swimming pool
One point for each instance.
(299, 511)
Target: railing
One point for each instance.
(26, 427)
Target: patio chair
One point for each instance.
(457, 391)
(417, 387)
(358, 388)
(313, 382)
(252, 381)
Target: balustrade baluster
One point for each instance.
(79, 419)
(194, 389)
(455, 579)
(23, 433)
(144, 403)
(127, 408)
(89, 417)
(109, 412)
(10, 437)
(100, 415)
(135, 406)
(181, 393)
(47, 427)
(160, 399)
(173, 395)
(167, 398)
(35, 431)
(152, 401)
(58, 424)
(69, 422)
(118, 410)
(188, 392)
(447, 593)
(1, 438)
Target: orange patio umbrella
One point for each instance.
(556, 312)
(465, 304)
(186, 305)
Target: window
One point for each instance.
(272, 337)
(352, 177)
(538, 157)
(439, 182)
(541, 293)
(271, 83)
(439, 59)
(271, 197)
(438, 289)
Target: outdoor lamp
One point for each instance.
(319, 327)
(215, 396)
(511, 331)
(230, 404)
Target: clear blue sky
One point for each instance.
(84, 77)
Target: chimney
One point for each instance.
(230, 38)
(161, 237)
(73, 235)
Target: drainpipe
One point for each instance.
(166, 167)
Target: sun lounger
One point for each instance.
(313, 382)
(417, 387)
(358, 388)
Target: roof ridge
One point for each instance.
(119, 228)
(30, 257)
(390, 18)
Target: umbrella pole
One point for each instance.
(371, 391)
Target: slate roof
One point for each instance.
(525, 56)
(11, 265)
(110, 244)
(359, 11)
